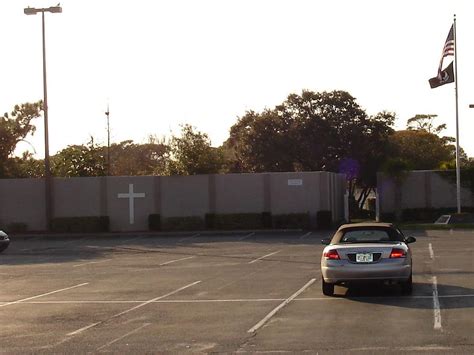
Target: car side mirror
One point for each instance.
(409, 240)
(326, 241)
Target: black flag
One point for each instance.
(445, 76)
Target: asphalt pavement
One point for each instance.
(240, 292)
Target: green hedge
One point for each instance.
(291, 221)
(429, 215)
(387, 217)
(182, 223)
(16, 227)
(424, 215)
(324, 219)
(236, 220)
(267, 220)
(154, 222)
(80, 224)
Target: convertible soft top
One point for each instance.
(366, 225)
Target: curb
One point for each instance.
(143, 234)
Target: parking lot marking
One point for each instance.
(44, 294)
(156, 299)
(187, 238)
(306, 235)
(133, 308)
(430, 247)
(280, 306)
(92, 262)
(303, 299)
(174, 261)
(263, 257)
(436, 307)
(247, 236)
(123, 336)
(82, 329)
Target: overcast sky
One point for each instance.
(205, 62)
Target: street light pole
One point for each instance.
(47, 166)
(107, 113)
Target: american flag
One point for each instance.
(448, 48)
(449, 45)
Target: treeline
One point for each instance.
(326, 131)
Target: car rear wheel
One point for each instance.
(407, 286)
(328, 288)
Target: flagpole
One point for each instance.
(458, 172)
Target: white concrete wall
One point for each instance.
(420, 189)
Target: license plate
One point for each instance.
(364, 258)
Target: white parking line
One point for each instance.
(123, 336)
(187, 238)
(304, 299)
(174, 261)
(92, 262)
(82, 329)
(306, 235)
(263, 257)
(44, 294)
(436, 307)
(275, 310)
(430, 247)
(247, 236)
(132, 309)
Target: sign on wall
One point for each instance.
(295, 182)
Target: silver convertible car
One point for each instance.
(366, 252)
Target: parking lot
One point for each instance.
(236, 293)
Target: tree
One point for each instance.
(425, 122)
(192, 154)
(128, 158)
(313, 131)
(421, 150)
(25, 166)
(14, 127)
(79, 161)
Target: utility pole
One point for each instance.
(107, 113)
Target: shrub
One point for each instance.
(238, 221)
(267, 219)
(387, 217)
(210, 220)
(428, 215)
(291, 220)
(154, 222)
(80, 224)
(16, 227)
(182, 223)
(324, 219)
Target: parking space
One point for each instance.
(237, 292)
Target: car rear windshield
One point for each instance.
(370, 236)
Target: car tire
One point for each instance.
(328, 288)
(407, 286)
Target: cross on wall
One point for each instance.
(131, 195)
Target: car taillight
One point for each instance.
(331, 255)
(398, 253)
